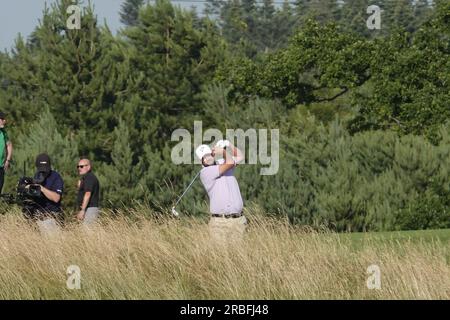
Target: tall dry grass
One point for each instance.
(150, 258)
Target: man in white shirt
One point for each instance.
(227, 221)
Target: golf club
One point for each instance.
(174, 212)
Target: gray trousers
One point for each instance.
(48, 226)
(91, 215)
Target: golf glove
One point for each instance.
(223, 143)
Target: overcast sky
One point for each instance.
(22, 16)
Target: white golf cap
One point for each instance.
(202, 151)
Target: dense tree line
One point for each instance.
(255, 26)
(363, 115)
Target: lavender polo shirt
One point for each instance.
(223, 191)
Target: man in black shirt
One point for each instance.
(88, 193)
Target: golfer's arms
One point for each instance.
(51, 195)
(237, 154)
(86, 198)
(230, 161)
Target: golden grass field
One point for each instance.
(165, 258)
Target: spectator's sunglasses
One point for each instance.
(82, 166)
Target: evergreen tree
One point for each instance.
(129, 12)
(82, 75)
(3, 61)
(252, 27)
(119, 179)
(249, 11)
(41, 136)
(171, 61)
(267, 29)
(422, 12)
(235, 27)
(285, 21)
(322, 11)
(354, 17)
(18, 89)
(213, 8)
(400, 14)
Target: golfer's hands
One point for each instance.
(81, 214)
(218, 151)
(223, 144)
(6, 165)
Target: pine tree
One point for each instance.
(422, 12)
(213, 8)
(285, 21)
(19, 85)
(252, 27)
(129, 12)
(233, 25)
(249, 12)
(82, 75)
(267, 35)
(323, 11)
(3, 60)
(119, 179)
(400, 15)
(41, 136)
(171, 61)
(354, 17)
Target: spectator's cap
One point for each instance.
(43, 163)
(2, 115)
(202, 151)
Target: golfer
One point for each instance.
(227, 221)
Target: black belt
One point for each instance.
(227, 216)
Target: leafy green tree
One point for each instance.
(320, 64)
(410, 80)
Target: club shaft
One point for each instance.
(192, 182)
